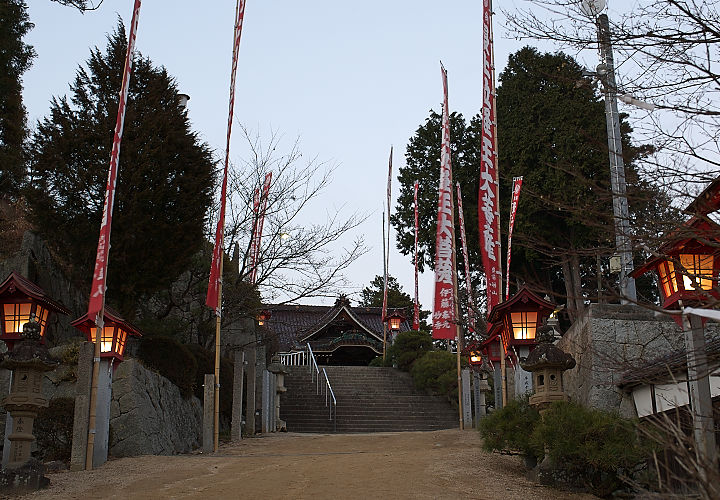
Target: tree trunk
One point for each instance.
(577, 284)
(569, 290)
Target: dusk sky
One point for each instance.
(348, 81)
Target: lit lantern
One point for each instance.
(20, 299)
(114, 335)
(263, 317)
(520, 318)
(394, 320)
(687, 265)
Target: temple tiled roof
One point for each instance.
(292, 323)
(661, 368)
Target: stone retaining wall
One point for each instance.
(606, 342)
(149, 416)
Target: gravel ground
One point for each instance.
(408, 465)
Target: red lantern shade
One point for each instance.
(687, 266)
(19, 299)
(520, 317)
(113, 339)
(394, 321)
(491, 346)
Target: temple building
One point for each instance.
(337, 334)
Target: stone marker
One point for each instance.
(82, 406)
(251, 384)
(209, 413)
(236, 424)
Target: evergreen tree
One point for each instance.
(15, 58)
(164, 186)
(551, 130)
(372, 296)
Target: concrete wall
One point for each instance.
(609, 340)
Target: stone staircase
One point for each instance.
(369, 399)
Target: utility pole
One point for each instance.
(621, 212)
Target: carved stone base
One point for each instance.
(24, 479)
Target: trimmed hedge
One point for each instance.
(408, 347)
(587, 448)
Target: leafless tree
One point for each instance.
(667, 54)
(298, 259)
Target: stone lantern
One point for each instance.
(28, 361)
(547, 362)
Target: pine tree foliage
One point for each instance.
(165, 179)
(15, 58)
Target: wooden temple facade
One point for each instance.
(338, 334)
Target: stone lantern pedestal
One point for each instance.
(27, 362)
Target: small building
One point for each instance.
(338, 335)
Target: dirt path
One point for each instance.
(409, 465)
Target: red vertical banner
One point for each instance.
(488, 211)
(386, 252)
(444, 324)
(97, 291)
(416, 308)
(517, 185)
(213, 298)
(468, 285)
(260, 208)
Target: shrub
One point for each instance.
(171, 359)
(509, 429)
(589, 447)
(436, 372)
(53, 429)
(379, 361)
(408, 347)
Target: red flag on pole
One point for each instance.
(260, 209)
(387, 253)
(517, 185)
(213, 296)
(468, 285)
(488, 211)
(444, 326)
(97, 291)
(416, 311)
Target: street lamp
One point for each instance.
(687, 268)
(22, 299)
(621, 212)
(114, 335)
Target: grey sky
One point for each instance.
(351, 79)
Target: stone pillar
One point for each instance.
(102, 412)
(498, 383)
(523, 379)
(266, 401)
(279, 370)
(466, 401)
(481, 387)
(82, 406)
(209, 413)
(250, 397)
(239, 370)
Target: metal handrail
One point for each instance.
(326, 386)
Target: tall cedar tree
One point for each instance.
(15, 58)
(165, 180)
(551, 130)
